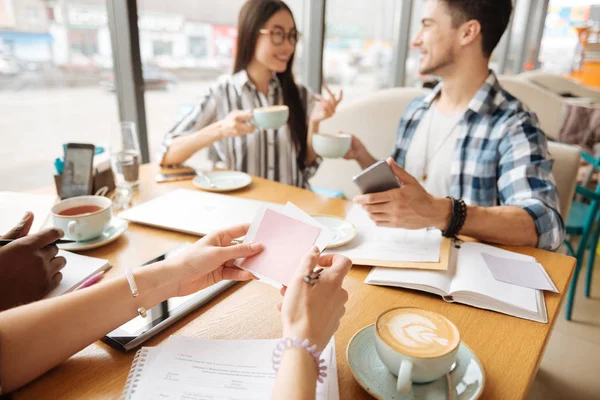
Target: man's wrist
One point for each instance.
(442, 213)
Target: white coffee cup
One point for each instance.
(416, 345)
(83, 217)
(273, 117)
(331, 145)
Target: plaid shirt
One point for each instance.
(501, 157)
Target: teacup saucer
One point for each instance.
(222, 181)
(342, 230)
(465, 382)
(115, 228)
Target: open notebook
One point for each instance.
(193, 368)
(469, 281)
(77, 270)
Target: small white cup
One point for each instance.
(273, 117)
(414, 369)
(86, 226)
(331, 145)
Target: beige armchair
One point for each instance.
(560, 84)
(374, 120)
(546, 105)
(566, 164)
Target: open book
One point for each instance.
(469, 281)
(194, 368)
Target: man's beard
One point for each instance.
(434, 69)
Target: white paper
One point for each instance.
(221, 369)
(77, 270)
(14, 205)
(195, 212)
(389, 244)
(525, 273)
(473, 275)
(291, 211)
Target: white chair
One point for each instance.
(374, 120)
(560, 84)
(566, 164)
(546, 105)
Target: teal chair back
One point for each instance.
(583, 223)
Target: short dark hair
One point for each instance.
(492, 15)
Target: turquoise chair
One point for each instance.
(583, 222)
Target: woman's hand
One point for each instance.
(325, 108)
(210, 260)
(313, 312)
(236, 123)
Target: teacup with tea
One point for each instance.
(83, 217)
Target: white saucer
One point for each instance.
(113, 231)
(466, 380)
(343, 231)
(224, 181)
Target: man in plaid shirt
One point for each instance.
(468, 139)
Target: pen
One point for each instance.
(91, 280)
(4, 242)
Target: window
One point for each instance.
(357, 56)
(199, 47)
(187, 45)
(53, 85)
(560, 40)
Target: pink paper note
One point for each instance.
(286, 241)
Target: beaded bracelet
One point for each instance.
(286, 343)
(459, 216)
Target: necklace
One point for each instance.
(428, 160)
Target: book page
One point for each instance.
(473, 275)
(390, 244)
(77, 270)
(413, 278)
(189, 368)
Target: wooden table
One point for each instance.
(509, 348)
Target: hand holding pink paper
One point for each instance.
(286, 240)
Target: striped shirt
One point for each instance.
(500, 158)
(269, 153)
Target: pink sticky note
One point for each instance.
(286, 241)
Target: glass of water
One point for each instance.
(125, 161)
(125, 155)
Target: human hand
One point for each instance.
(357, 149)
(325, 108)
(29, 267)
(210, 260)
(409, 207)
(313, 312)
(236, 123)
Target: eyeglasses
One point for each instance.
(278, 35)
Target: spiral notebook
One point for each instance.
(205, 368)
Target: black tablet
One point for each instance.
(138, 330)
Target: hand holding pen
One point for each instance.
(29, 265)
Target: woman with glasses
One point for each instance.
(267, 38)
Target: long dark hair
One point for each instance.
(253, 15)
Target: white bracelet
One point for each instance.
(134, 290)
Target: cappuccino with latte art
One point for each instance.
(417, 333)
(415, 345)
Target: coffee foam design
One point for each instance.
(415, 331)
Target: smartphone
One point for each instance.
(379, 177)
(77, 175)
(175, 174)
